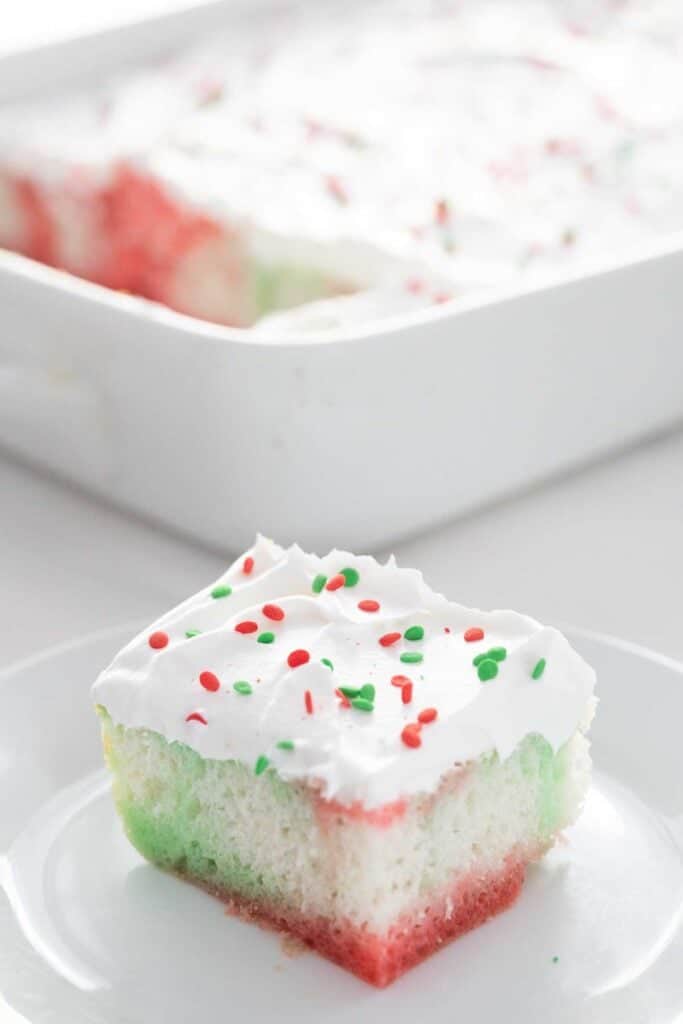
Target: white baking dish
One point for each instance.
(353, 438)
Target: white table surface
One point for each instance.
(602, 548)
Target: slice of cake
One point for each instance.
(338, 751)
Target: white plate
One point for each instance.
(90, 932)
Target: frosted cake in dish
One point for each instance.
(307, 172)
(338, 751)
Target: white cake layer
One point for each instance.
(321, 861)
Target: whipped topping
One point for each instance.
(420, 145)
(293, 648)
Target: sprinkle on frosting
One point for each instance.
(246, 627)
(473, 634)
(487, 669)
(189, 633)
(368, 605)
(222, 590)
(362, 704)
(248, 565)
(349, 730)
(157, 641)
(210, 681)
(196, 716)
(411, 735)
(318, 583)
(498, 653)
(389, 638)
(273, 612)
(335, 582)
(298, 657)
(285, 745)
(352, 576)
(262, 763)
(539, 669)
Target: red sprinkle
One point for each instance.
(411, 735)
(335, 582)
(369, 606)
(308, 701)
(210, 681)
(246, 627)
(400, 680)
(446, 629)
(158, 640)
(274, 612)
(247, 565)
(473, 633)
(389, 638)
(343, 699)
(441, 211)
(196, 716)
(298, 657)
(427, 716)
(337, 189)
(407, 692)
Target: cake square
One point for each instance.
(339, 752)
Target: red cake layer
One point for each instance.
(139, 235)
(381, 959)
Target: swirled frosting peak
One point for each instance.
(348, 674)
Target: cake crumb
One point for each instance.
(292, 947)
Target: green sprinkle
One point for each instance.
(556, 959)
(539, 669)
(488, 669)
(351, 576)
(265, 638)
(262, 763)
(411, 657)
(221, 591)
(189, 633)
(414, 633)
(318, 583)
(350, 691)
(326, 661)
(242, 687)
(361, 704)
(367, 691)
(285, 745)
(493, 654)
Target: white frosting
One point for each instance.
(526, 117)
(353, 755)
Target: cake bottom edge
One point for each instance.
(378, 959)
